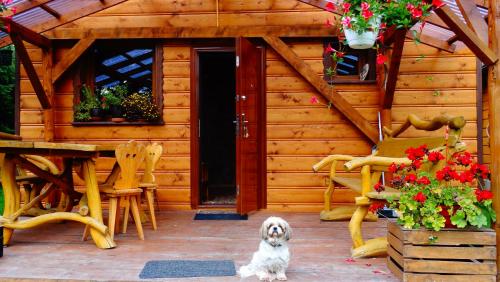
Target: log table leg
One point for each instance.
(94, 203)
(9, 190)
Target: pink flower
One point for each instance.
(346, 7)
(381, 59)
(367, 14)
(314, 100)
(365, 6)
(346, 22)
(329, 49)
(416, 13)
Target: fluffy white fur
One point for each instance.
(271, 260)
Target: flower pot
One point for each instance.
(116, 111)
(446, 255)
(118, 119)
(96, 114)
(365, 39)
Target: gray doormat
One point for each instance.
(187, 268)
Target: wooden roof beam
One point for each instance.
(324, 89)
(29, 4)
(466, 35)
(192, 32)
(51, 11)
(23, 56)
(71, 57)
(392, 75)
(26, 34)
(473, 18)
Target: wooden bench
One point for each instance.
(391, 150)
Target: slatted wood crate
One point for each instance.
(454, 254)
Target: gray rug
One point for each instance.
(187, 268)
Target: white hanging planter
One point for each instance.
(364, 40)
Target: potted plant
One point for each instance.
(88, 108)
(362, 21)
(434, 207)
(140, 106)
(111, 100)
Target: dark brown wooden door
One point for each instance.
(248, 89)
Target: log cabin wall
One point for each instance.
(299, 133)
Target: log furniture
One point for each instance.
(75, 156)
(391, 150)
(129, 157)
(148, 181)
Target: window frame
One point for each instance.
(365, 55)
(85, 74)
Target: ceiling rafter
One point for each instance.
(467, 35)
(26, 34)
(76, 14)
(473, 18)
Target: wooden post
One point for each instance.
(494, 110)
(48, 114)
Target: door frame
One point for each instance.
(194, 116)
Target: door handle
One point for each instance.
(244, 123)
(237, 125)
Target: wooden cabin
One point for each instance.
(212, 64)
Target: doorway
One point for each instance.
(216, 112)
(228, 136)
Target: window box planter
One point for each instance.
(447, 255)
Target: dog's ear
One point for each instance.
(263, 230)
(288, 231)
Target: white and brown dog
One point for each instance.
(271, 260)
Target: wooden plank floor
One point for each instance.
(319, 249)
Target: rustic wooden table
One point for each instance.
(78, 157)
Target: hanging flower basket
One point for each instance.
(363, 39)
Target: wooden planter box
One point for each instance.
(455, 254)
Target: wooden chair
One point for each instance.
(129, 157)
(148, 181)
(390, 147)
(392, 151)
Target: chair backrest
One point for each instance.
(395, 147)
(129, 157)
(153, 154)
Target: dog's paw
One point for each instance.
(281, 277)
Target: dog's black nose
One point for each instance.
(275, 228)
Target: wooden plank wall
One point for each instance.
(299, 133)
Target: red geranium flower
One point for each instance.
(367, 14)
(329, 49)
(466, 176)
(423, 181)
(379, 187)
(437, 3)
(330, 7)
(446, 174)
(416, 153)
(420, 197)
(376, 206)
(482, 195)
(411, 178)
(480, 170)
(464, 158)
(435, 157)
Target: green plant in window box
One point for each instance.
(140, 106)
(88, 108)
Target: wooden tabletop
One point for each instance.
(48, 148)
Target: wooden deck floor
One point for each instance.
(319, 249)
